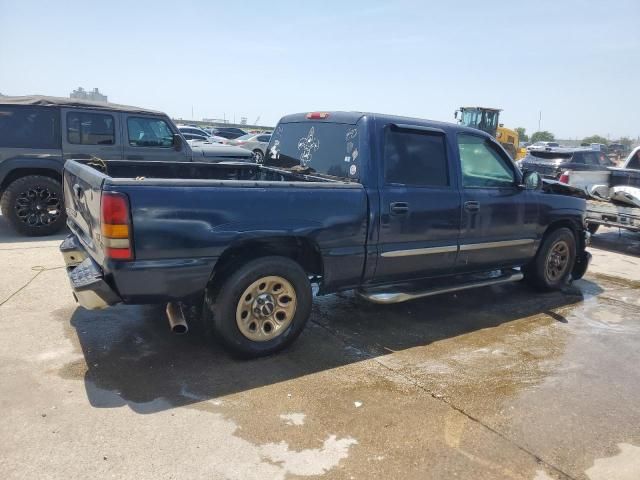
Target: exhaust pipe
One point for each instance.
(177, 322)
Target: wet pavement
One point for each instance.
(497, 382)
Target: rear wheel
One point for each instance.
(552, 265)
(258, 155)
(33, 205)
(262, 307)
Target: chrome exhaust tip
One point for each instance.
(177, 321)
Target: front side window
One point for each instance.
(415, 158)
(29, 127)
(90, 129)
(482, 164)
(149, 132)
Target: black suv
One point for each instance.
(229, 132)
(552, 162)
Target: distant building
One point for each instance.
(95, 95)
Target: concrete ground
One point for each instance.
(495, 383)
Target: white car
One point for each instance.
(190, 132)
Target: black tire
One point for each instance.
(593, 228)
(539, 273)
(258, 155)
(228, 305)
(28, 205)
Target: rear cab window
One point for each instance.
(29, 127)
(319, 148)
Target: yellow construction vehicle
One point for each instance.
(488, 120)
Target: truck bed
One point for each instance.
(184, 216)
(122, 172)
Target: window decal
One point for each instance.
(307, 146)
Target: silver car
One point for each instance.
(194, 133)
(256, 142)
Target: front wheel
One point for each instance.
(552, 265)
(262, 307)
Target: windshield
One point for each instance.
(551, 155)
(331, 149)
(485, 120)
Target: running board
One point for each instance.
(403, 293)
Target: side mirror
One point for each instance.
(455, 115)
(532, 180)
(177, 142)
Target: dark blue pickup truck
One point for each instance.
(395, 208)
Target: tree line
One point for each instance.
(545, 136)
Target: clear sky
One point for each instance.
(576, 61)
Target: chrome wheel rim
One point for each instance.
(258, 156)
(557, 261)
(266, 308)
(38, 207)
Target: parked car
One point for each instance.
(553, 163)
(257, 143)
(396, 208)
(229, 132)
(196, 133)
(543, 145)
(37, 134)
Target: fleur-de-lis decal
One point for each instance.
(307, 145)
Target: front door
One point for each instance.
(420, 206)
(91, 133)
(498, 215)
(150, 138)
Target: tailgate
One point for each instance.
(82, 192)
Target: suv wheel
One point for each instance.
(33, 205)
(552, 265)
(262, 307)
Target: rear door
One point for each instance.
(420, 205)
(499, 218)
(90, 133)
(148, 137)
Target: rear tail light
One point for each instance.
(564, 178)
(116, 226)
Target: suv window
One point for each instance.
(90, 129)
(415, 158)
(149, 132)
(482, 164)
(29, 127)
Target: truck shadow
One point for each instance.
(132, 358)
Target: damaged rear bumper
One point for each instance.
(89, 288)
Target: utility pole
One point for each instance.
(540, 121)
(192, 117)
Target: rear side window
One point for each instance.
(149, 132)
(264, 138)
(90, 129)
(415, 158)
(29, 127)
